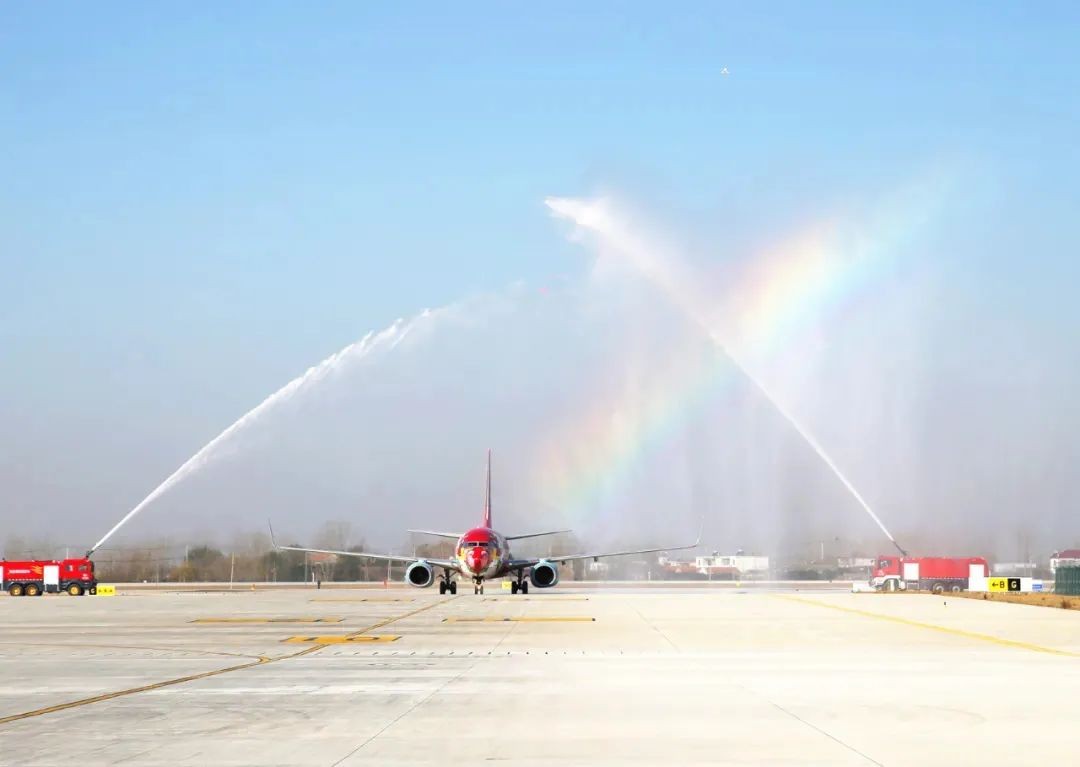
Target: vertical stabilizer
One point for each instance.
(487, 493)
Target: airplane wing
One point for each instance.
(437, 534)
(447, 563)
(515, 564)
(535, 535)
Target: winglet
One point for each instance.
(272, 541)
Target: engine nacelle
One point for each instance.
(420, 574)
(544, 574)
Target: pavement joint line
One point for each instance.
(261, 660)
(934, 627)
(520, 619)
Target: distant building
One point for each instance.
(1066, 558)
(717, 567)
(854, 563)
(1013, 568)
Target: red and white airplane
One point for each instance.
(481, 554)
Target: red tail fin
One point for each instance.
(487, 493)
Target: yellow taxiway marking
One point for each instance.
(267, 620)
(343, 638)
(934, 627)
(261, 660)
(133, 690)
(522, 619)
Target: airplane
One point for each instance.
(482, 554)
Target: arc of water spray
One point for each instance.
(392, 335)
(597, 216)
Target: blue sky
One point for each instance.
(200, 200)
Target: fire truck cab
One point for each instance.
(35, 577)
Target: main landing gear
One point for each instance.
(520, 586)
(447, 584)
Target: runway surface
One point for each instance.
(598, 677)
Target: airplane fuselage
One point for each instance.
(482, 553)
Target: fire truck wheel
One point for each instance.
(75, 590)
(15, 590)
(938, 588)
(32, 590)
(956, 589)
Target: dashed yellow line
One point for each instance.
(343, 639)
(935, 627)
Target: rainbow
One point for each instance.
(777, 298)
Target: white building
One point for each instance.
(744, 565)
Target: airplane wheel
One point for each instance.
(453, 587)
(442, 587)
(513, 587)
(524, 587)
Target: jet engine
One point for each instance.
(544, 574)
(420, 574)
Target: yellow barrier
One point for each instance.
(106, 590)
(506, 585)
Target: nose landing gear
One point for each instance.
(478, 586)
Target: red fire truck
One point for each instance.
(74, 576)
(937, 574)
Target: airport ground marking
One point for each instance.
(935, 627)
(133, 690)
(261, 660)
(362, 599)
(534, 599)
(521, 619)
(265, 620)
(343, 639)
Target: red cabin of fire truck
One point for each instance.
(937, 574)
(35, 577)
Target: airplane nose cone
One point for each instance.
(477, 559)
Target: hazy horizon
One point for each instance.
(585, 224)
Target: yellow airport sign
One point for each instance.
(1002, 584)
(105, 590)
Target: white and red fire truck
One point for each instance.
(937, 574)
(35, 577)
